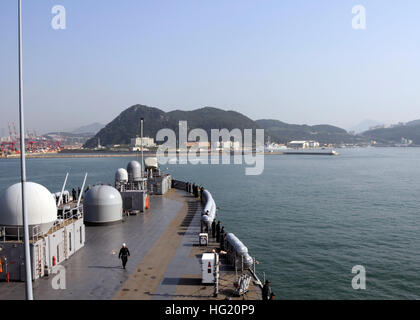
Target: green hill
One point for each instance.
(127, 125)
(283, 132)
(410, 130)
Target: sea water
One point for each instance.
(308, 220)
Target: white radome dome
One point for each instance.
(121, 175)
(41, 207)
(102, 204)
(134, 171)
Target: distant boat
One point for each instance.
(275, 148)
(315, 151)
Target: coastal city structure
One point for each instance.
(228, 145)
(136, 144)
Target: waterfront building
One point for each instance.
(228, 145)
(303, 144)
(137, 143)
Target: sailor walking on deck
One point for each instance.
(124, 254)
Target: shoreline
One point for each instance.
(116, 155)
(130, 154)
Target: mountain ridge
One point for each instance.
(127, 125)
(396, 133)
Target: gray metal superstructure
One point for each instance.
(132, 186)
(136, 186)
(158, 183)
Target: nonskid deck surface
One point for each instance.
(95, 272)
(164, 261)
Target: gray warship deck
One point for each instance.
(165, 260)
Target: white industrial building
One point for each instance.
(145, 142)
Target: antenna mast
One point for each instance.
(142, 145)
(28, 278)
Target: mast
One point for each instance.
(141, 144)
(28, 278)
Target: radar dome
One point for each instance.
(121, 175)
(134, 171)
(102, 204)
(41, 207)
(151, 163)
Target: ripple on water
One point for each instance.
(308, 220)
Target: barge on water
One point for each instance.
(312, 152)
(165, 224)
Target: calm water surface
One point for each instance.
(307, 219)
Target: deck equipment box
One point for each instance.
(203, 239)
(209, 267)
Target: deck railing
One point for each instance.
(67, 215)
(15, 233)
(181, 185)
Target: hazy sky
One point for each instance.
(298, 61)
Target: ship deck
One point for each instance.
(164, 262)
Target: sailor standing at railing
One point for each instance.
(222, 238)
(266, 291)
(218, 229)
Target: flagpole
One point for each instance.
(28, 279)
